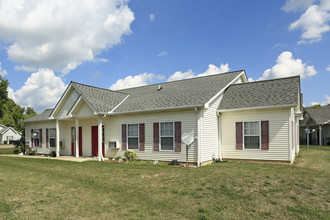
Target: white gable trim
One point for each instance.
(79, 100)
(256, 108)
(51, 116)
(207, 104)
(118, 105)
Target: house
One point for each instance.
(317, 119)
(231, 118)
(8, 134)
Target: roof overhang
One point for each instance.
(77, 104)
(256, 108)
(58, 104)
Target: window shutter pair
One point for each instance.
(141, 137)
(264, 135)
(177, 136)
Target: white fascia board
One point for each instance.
(207, 104)
(118, 105)
(255, 108)
(51, 116)
(74, 105)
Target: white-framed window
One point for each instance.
(133, 136)
(166, 135)
(36, 136)
(52, 136)
(252, 137)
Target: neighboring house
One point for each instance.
(8, 134)
(318, 119)
(230, 117)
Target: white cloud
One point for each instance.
(97, 74)
(25, 68)
(41, 90)
(102, 60)
(326, 102)
(133, 81)
(60, 34)
(2, 71)
(287, 66)
(313, 23)
(152, 17)
(178, 75)
(161, 54)
(212, 69)
(296, 5)
(328, 68)
(215, 70)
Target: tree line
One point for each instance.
(11, 114)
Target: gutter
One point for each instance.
(256, 108)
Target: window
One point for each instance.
(166, 135)
(133, 136)
(36, 136)
(252, 135)
(52, 135)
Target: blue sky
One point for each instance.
(117, 44)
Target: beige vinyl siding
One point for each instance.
(188, 124)
(84, 110)
(9, 133)
(209, 139)
(278, 134)
(39, 125)
(66, 105)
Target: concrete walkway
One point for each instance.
(6, 146)
(66, 158)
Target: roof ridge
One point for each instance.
(193, 78)
(266, 80)
(95, 87)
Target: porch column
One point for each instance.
(77, 137)
(57, 139)
(100, 155)
(320, 136)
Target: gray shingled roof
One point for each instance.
(276, 92)
(41, 117)
(192, 92)
(319, 115)
(103, 100)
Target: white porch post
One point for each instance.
(320, 132)
(99, 143)
(77, 136)
(57, 139)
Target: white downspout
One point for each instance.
(320, 135)
(199, 133)
(219, 135)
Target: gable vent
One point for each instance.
(159, 87)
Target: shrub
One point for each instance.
(52, 154)
(130, 155)
(5, 141)
(22, 147)
(17, 151)
(30, 152)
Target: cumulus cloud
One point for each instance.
(60, 34)
(178, 75)
(211, 70)
(296, 5)
(313, 23)
(133, 81)
(161, 54)
(287, 66)
(152, 17)
(41, 90)
(2, 71)
(326, 102)
(328, 68)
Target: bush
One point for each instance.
(130, 155)
(22, 147)
(17, 151)
(30, 152)
(52, 154)
(5, 142)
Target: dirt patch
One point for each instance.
(6, 146)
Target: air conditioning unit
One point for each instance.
(113, 144)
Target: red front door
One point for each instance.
(73, 140)
(95, 141)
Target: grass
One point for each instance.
(51, 189)
(7, 151)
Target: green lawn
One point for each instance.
(7, 150)
(51, 189)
